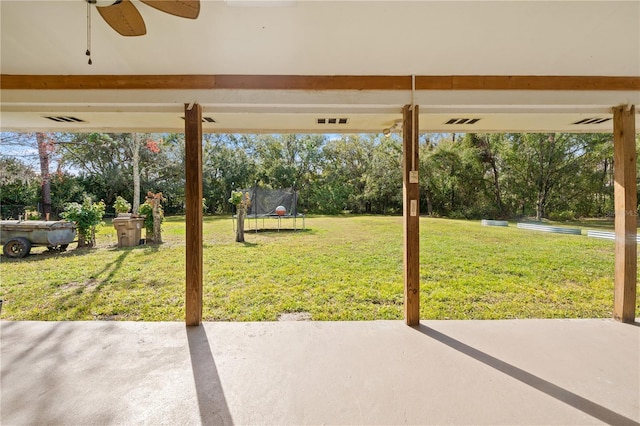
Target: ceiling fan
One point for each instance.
(123, 16)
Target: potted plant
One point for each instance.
(122, 207)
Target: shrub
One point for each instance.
(31, 213)
(562, 216)
(153, 223)
(146, 209)
(87, 216)
(121, 205)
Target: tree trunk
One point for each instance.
(240, 227)
(429, 202)
(135, 147)
(87, 240)
(43, 154)
(157, 222)
(540, 206)
(603, 193)
(453, 186)
(496, 188)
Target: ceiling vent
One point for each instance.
(462, 121)
(332, 120)
(64, 119)
(206, 120)
(595, 120)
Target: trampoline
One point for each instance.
(268, 203)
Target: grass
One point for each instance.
(339, 268)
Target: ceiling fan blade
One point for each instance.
(183, 8)
(124, 18)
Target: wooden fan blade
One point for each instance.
(183, 8)
(124, 18)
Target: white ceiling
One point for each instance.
(561, 38)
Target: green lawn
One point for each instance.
(339, 268)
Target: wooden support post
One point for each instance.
(624, 163)
(193, 204)
(411, 202)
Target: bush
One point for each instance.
(146, 209)
(87, 216)
(121, 205)
(153, 225)
(562, 216)
(31, 213)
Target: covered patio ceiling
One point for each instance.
(296, 66)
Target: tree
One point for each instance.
(41, 146)
(45, 147)
(383, 180)
(488, 148)
(18, 187)
(113, 163)
(226, 167)
(441, 165)
(548, 168)
(344, 165)
(165, 170)
(289, 160)
(101, 160)
(137, 142)
(453, 177)
(475, 175)
(135, 145)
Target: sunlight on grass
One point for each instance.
(339, 268)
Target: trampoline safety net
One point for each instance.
(264, 201)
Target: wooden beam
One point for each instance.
(315, 82)
(193, 194)
(411, 216)
(527, 82)
(626, 262)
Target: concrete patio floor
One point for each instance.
(296, 373)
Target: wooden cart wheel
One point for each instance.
(17, 247)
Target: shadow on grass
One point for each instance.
(150, 248)
(114, 269)
(48, 254)
(574, 400)
(78, 251)
(84, 294)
